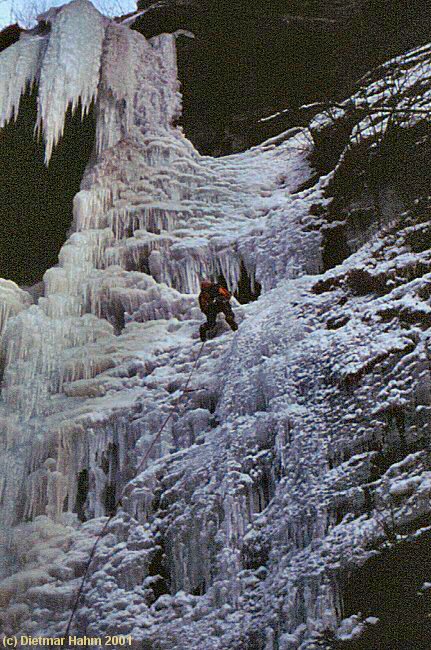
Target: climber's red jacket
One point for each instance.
(213, 297)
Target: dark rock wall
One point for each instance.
(29, 246)
(252, 59)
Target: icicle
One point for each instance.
(171, 98)
(118, 86)
(19, 67)
(56, 493)
(90, 207)
(70, 68)
(12, 301)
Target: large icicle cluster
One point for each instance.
(300, 452)
(65, 64)
(19, 70)
(69, 73)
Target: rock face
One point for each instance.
(285, 503)
(252, 59)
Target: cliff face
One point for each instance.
(252, 59)
(286, 503)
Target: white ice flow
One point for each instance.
(235, 522)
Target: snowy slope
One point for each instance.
(301, 450)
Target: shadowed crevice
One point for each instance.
(35, 200)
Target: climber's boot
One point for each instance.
(232, 324)
(203, 332)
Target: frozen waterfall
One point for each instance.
(275, 478)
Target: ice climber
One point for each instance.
(213, 300)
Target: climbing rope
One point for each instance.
(119, 500)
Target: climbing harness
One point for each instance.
(184, 392)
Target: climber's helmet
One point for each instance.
(206, 284)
